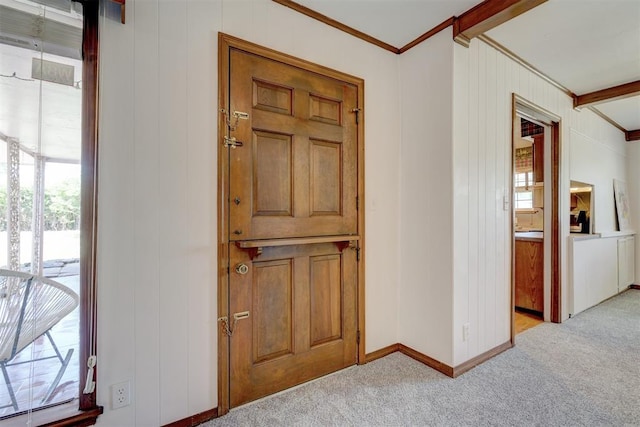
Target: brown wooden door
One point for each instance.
(296, 174)
(292, 212)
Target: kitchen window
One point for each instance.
(523, 193)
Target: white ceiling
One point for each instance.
(584, 45)
(396, 22)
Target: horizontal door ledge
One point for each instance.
(249, 244)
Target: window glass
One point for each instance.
(40, 144)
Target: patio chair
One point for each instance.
(29, 307)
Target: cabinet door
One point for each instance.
(538, 158)
(622, 264)
(529, 275)
(626, 262)
(631, 260)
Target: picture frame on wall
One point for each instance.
(623, 209)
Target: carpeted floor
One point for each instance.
(584, 372)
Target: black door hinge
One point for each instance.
(357, 254)
(357, 202)
(357, 337)
(357, 113)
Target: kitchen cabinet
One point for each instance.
(538, 158)
(626, 262)
(594, 271)
(529, 274)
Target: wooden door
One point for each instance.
(296, 173)
(293, 225)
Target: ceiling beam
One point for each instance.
(605, 95)
(487, 15)
(632, 135)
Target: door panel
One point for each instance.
(293, 179)
(296, 173)
(301, 301)
(272, 174)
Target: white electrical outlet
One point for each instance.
(120, 395)
(465, 332)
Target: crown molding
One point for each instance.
(336, 24)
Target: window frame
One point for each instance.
(88, 197)
(88, 410)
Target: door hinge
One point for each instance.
(357, 202)
(357, 254)
(357, 113)
(358, 337)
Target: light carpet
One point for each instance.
(583, 372)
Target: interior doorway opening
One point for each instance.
(536, 287)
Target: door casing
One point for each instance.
(225, 44)
(554, 122)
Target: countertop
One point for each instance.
(531, 236)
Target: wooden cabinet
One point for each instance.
(529, 275)
(538, 158)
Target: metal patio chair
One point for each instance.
(30, 306)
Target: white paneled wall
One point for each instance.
(157, 250)
(585, 152)
(485, 80)
(426, 264)
(437, 127)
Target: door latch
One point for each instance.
(230, 328)
(237, 116)
(231, 141)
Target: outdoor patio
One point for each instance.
(31, 381)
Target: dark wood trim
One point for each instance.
(379, 354)
(632, 135)
(609, 94)
(487, 15)
(196, 419)
(432, 32)
(122, 4)
(223, 232)
(553, 121)
(86, 418)
(434, 364)
(556, 288)
(509, 54)
(489, 41)
(607, 119)
(225, 44)
(361, 305)
(335, 24)
(89, 199)
(423, 358)
(516, 133)
(470, 364)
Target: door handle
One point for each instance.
(242, 269)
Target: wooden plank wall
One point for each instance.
(485, 80)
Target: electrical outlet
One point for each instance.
(120, 395)
(465, 332)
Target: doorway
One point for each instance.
(536, 221)
(290, 293)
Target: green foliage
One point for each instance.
(61, 207)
